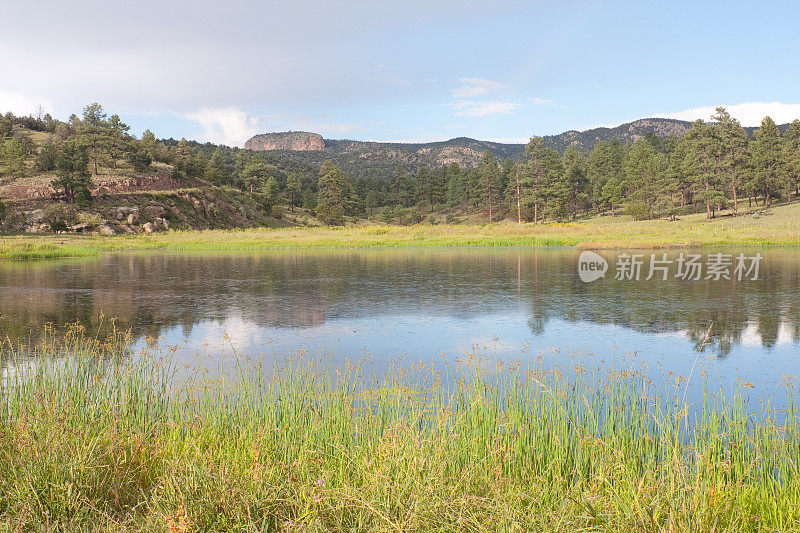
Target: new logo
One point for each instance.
(591, 266)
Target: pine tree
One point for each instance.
(699, 164)
(604, 164)
(645, 170)
(576, 180)
(402, 187)
(150, 144)
(117, 140)
(47, 158)
(254, 174)
(612, 194)
(455, 185)
(269, 190)
(74, 178)
(767, 158)
(13, 157)
(294, 190)
(540, 167)
(489, 181)
(93, 132)
(330, 194)
(424, 186)
(791, 158)
(182, 157)
(217, 169)
(732, 150)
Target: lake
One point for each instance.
(425, 303)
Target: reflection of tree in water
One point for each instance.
(152, 293)
(716, 314)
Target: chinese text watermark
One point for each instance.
(686, 267)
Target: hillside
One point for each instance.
(379, 159)
(369, 159)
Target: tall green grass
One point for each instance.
(95, 436)
(782, 228)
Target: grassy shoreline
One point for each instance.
(95, 440)
(781, 227)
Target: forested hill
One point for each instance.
(371, 159)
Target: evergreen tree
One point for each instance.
(699, 165)
(645, 171)
(455, 185)
(13, 157)
(118, 139)
(424, 183)
(47, 158)
(767, 158)
(330, 194)
(791, 158)
(732, 150)
(217, 169)
(149, 143)
(294, 190)
(93, 132)
(575, 179)
(612, 194)
(489, 181)
(74, 179)
(269, 190)
(255, 173)
(541, 179)
(402, 188)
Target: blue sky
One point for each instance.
(399, 71)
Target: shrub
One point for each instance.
(638, 210)
(59, 216)
(387, 214)
(92, 219)
(83, 198)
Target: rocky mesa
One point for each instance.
(295, 141)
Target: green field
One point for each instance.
(99, 441)
(780, 226)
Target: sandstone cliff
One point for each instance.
(295, 141)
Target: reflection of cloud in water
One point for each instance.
(752, 336)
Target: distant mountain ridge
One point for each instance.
(376, 159)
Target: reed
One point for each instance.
(96, 436)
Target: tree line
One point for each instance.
(714, 166)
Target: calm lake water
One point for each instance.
(425, 303)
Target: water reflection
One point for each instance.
(398, 300)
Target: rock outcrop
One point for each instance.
(295, 141)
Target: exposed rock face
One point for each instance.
(296, 141)
(154, 211)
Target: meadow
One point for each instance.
(780, 226)
(95, 437)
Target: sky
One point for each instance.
(410, 71)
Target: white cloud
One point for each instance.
(228, 126)
(322, 124)
(748, 113)
(542, 101)
(481, 109)
(476, 87)
(22, 104)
